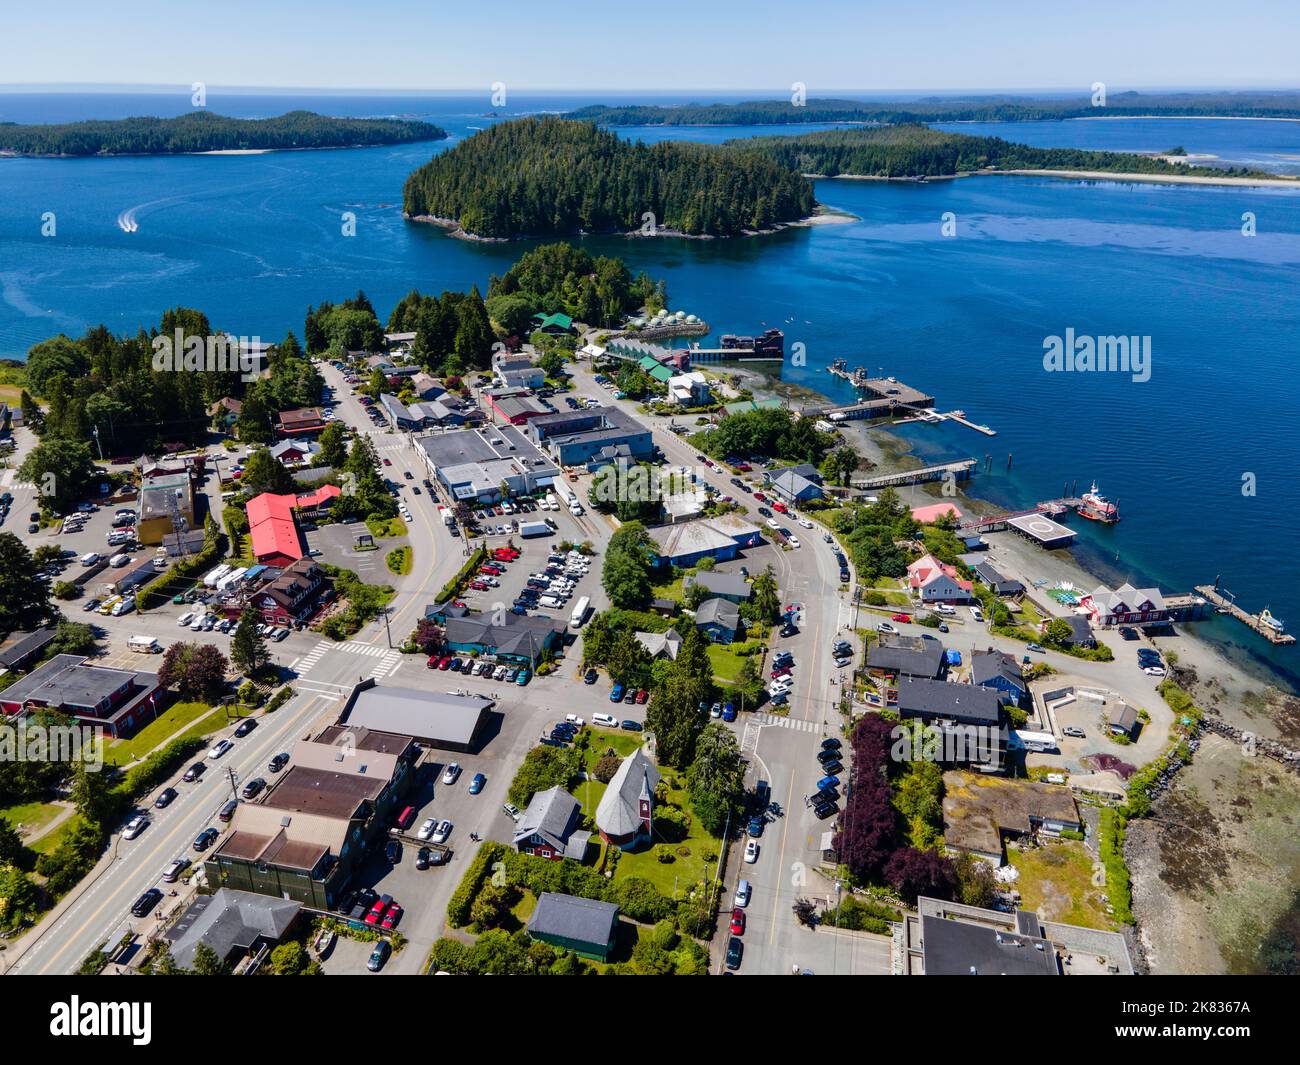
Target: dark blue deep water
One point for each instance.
(252, 240)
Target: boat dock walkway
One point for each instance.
(960, 471)
(1053, 508)
(1225, 605)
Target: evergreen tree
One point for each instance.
(248, 649)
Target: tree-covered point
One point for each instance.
(553, 177)
(953, 109)
(203, 131)
(919, 151)
(772, 431)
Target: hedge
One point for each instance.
(1110, 838)
(471, 884)
(453, 587)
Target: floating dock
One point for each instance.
(1225, 605)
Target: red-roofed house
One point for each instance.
(935, 511)
(274, 530)
(320, 499)
(937, 582)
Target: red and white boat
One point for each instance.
(1096, 507)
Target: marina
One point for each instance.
(960, 470)
(1263, 623)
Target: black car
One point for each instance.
(393, 852)
(422, 858)
(631, 726)
(253, 788)
(278, 762)
(590, 677)
(825, 810)
(194, 772)
(146, 902)
(205, 839)
(832, 769)
(165, 798)
(378, 956)
(824, 796)
(831, 743)
(245, 727)
(828, 756)
(735, 951)
(788, 630)
(844, 576)
(361, 903)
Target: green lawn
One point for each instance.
(670, 590)
(1056, 881)
(33, 816)
(688, 866)
(48, 843)
(391, 527)
(727, 659)
(172, 720)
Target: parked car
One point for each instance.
(253, 788)
(737, 922)
(173, 871)
(426, 828)
(630, 725)
(278, 762)
(476, 785)
(1075, 731)
(146, 902)
(450, 774)
(205, 839)
(165, 798)
(442, 833)
(194, 772)
(135, 826)
(616, 693)
(743, 894)
(382, 950)
(751, 851)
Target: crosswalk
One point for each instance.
(386, 658)
(799, 724)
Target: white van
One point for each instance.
(549, 601)
(90, 558)
(144, 645)
(118, 561)
(185, 618)
(944, 609)
(608, 720)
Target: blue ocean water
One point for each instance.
(252, 240)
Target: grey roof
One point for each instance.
(1126, 719)
(421, 714)
(24, 644)
(722, 583)
(791, 483)
(68, 680)
(555, 816)
(517, 635)
(610, 424)
(619, 812)
(1000, 584)
(909, 656)
(966, 703)
(988, 666)
(1080, 630)
(960, 948)
(657, 643)
(718, 612)
(230, 920)
(570, 917)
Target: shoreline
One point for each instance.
(1078, 175)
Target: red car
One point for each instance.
(737, 922)
(744, 467)
(388, 462)
(445, 663)
(781, 671)
(902, 617)
(478, 586)
(759, 496)
(780, 508)
(393, 915)
(376, 912)
(491, 571)
(642, 696)
(433, 661)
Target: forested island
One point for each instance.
(554, 177)
(203, 131)
(954, 109)
(918, 151)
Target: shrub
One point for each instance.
(462, 899)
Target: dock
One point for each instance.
(1053, 508)
(959, 471)
(1225, 605)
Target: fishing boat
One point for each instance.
(1266, 618)
(1096, 507)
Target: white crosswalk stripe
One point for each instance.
(387, 659)
(797, 723)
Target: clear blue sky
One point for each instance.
(665, 45)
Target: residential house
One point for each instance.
(661, 644)
(1080, 631)
(425, 387)
(296, 595)
(1124, 722)
(555, 324)
(551, 827)
(981, 812)
(517, 371)
(730, 586)
(795, 484)
(225, 412)
(22, 649)
(970, 721)
(905, 656)
(586, 927)
(295, 451)
(933, 581)
(625, 815)
(719, 620)
(1001, 672)
(304, 421)
(1001, 586)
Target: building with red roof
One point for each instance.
(937, 582)
(935, 511)
(273, 529)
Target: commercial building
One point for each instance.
(514, 638)
(117, 700)
(295, 596)
(232, 924)
(573, 438)
(721, 538)
(1126, 605)
(933, 512)
(273, 529)
(517, 371)
(166, 505)
(478, 463)
(905, 656)
(21, 649)
(436, 719)
(304, 421)
(304, 837)
(952, 939)
(515, 405)
(689, 389)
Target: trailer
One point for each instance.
(534, 528)
(212, 577)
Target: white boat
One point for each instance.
(1276, 624)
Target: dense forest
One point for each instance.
(203, 131)
(954, 109)
(918, 151)
(553, 177)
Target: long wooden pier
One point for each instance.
(1225, 605)
(960, 471)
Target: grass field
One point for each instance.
(48, 843)
(172, 720)
(726, 660)
(1056, 882)
(33, 816)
